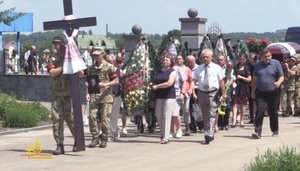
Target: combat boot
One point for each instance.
(94, 143)
(296, 113)
(103, 144)
(59, 150)
(284, 114)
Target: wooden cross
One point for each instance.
(69, 26)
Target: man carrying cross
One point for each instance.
(61, 92)
(72, 63)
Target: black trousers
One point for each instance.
(264, 101)
(223, 120)
(251, 101)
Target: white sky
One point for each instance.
(161, 16)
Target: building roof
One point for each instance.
(6, 44)
(95, 40)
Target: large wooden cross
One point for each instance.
(69, 25)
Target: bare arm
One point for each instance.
(247, 79)
(80, 74)
(253, 87)
(169, 83)
(279, 82)
(222, 87)
(55, 72)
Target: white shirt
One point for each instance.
(215, 74)
(87, 58)
(26, 55)
(231, 77)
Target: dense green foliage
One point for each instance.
(21, 114)
(286, 159)
(5, 16)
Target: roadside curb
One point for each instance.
(25, 130)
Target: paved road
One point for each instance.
(228, 152)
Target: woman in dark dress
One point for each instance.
(243, 78)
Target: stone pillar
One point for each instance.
(192, 30)
(131, 40)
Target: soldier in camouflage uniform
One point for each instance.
(61, 92)
(101, 102)
(297, 87)
(288, 87)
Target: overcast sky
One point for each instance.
(161, 16)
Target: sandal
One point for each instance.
(163, 141)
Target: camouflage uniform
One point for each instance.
(101, 102)
(297, 88)
(287, 92)
(61, 104)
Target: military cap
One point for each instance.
(296, 56)
(98, 52)
(58, 39)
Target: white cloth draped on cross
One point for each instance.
(73, 61)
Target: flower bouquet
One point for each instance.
(256, 46)
(137, 87)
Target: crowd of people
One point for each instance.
(192, 92)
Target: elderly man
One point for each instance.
(223, 120)
(267, 78)
(209, 77)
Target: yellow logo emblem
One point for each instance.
(35, 152)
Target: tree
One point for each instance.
(175, 34)
(6, 18)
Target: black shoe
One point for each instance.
(151, 130)
(250, 122)
(193, 131)
(202, 130)
(285, 115)
(296, 114)
(103, 144)
(94, 143)
(256, 136)
(208, 139)
(275, 134)
(226, 127)
(59, 150)
(221, 128)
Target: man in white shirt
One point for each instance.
(223, 120)
(209, 77)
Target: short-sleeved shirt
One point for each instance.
(188, 75)
(215, 75)
(230, 76)
(104, 71)
(62, 83)
(180, 77)
(267, 74)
